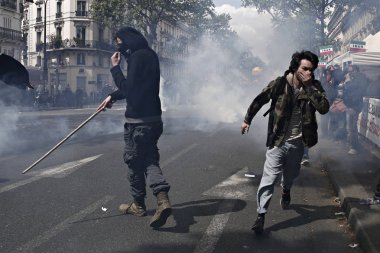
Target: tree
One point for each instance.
(309, 16)
(147, 14)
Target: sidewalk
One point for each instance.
(354, 177)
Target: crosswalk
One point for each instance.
(236, 187)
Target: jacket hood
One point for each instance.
(132, 39)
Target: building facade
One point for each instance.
(11, 41)
(355, 24)
(78, 50)
(172, 46)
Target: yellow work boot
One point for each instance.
(133, 208)
(163, 211)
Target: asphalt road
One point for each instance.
(68, 202)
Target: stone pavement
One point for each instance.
(354, 178)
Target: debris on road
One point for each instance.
(353, 245)
(369, 201)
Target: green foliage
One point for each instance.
(145, 15)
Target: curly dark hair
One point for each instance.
(296, 60)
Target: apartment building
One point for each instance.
(355, 24)
(172, 46)
(11, 41)
(78, 50)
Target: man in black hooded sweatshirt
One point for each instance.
(143, 124)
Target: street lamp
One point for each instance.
(45, 59)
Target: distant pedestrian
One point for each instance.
(377, 191)
(143, 124)
(292, 125)
(354, 90)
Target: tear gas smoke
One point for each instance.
(210, 91)
(22, 131)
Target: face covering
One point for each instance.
(122, 48)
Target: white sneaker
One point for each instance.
(305, 162)
(352, 151)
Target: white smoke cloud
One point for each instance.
(253, 28)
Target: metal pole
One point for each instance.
(45, 59)
(62, 141)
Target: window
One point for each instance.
(81, 8)
(38, 64)
(58, 32)
(39, 17)
(7, 22)
(100, 60)
(81, 32)
(39, 42)
(81, 59)
(59, 7)
(81, 82)
(59, 10)
(101, 34)
(39, 34)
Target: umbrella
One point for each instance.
(13, 73)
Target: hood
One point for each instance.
(132, 40)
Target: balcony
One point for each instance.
(58, 15)
(80, 44)
(38, 19)
(10, 34)
(39, 47)
(81, 13)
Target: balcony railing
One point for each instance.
(81, 44)
(58, 15)
(39, 47)
(11, 34)
(81, 13)
(38, 19)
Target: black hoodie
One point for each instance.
(141, 86)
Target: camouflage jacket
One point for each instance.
(310, 100)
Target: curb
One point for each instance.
(364, 219)
(353, 213)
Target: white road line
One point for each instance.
(236, 186)
(56, 172)
(176, 156)
(210, 238)
(47, 235)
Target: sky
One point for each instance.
(253, 28)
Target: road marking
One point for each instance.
(235, 187)
(209, 240)
(176, 156)
(55, 172)
(47, 235)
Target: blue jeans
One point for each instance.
(142, 157)
(284, 159)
